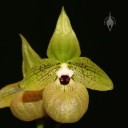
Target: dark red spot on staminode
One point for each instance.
(64, 79)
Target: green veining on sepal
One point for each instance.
(91, 75)
(30, 57)
(64, 44)
(41, 75)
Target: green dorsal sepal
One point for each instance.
(30, 57)
(64, 44)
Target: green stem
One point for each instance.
(40, 124)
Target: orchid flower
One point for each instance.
(55, 86)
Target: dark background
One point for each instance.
(36, 20)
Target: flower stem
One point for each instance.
(40, 124)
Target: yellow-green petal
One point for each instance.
(7, 93)
(91, 75)
(64, 44)
(41, 75)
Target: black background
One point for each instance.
(36, 20)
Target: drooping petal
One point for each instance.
(30, 57)
(91, 75)
(41, 75)
(7, 92)
(66, 103)
(64, 44)
(28, 105)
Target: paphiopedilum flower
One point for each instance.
(55, 86)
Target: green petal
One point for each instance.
(64, 44)
(40, 75)
(91, 75)
(30, 57)
(7, 92)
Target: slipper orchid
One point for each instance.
(55, 86)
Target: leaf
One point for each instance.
(7, 92)
(30, 57)
(91, 75)
(41, 75)
(64, 44)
